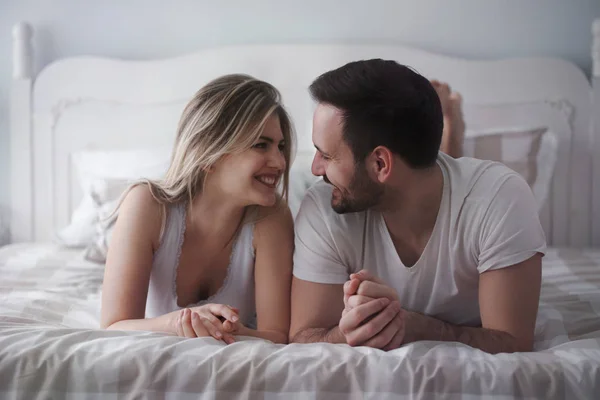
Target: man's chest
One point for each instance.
(441, 283)
(408, 251)
(441, 262)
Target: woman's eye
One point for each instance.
(282, 147)
(260, 145)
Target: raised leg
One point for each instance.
(454, 124)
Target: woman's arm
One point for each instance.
(128, 265)
(274, 244)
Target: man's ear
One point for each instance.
(380, 163)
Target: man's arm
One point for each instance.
(511, 244)
(317, 294)
(488, 340)
(317, 302)
(307, 324)
(374, 324)
(316, 335)
(508, 302)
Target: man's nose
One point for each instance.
(318, 165)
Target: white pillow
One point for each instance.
(491, 118)
(98, 249)
(530, 151)
(107, 174)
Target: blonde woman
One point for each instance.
(207, 251)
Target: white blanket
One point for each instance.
(50, 347)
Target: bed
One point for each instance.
(78, 124)
(51, 347)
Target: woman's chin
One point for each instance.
(263, 200)
(269, 201)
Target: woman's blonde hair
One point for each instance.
(226, 116)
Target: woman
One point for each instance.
(207, 251)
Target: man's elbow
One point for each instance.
(317, 335)
(500, 341)
(301, 335)
(294, 335)
(296, 332)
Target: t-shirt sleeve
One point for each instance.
(511, 231)
(316, 257)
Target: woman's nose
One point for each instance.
(278, 160)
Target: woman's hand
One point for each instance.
(235, 328)
(208, 320)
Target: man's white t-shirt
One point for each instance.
(488, 219)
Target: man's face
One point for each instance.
(353, 189)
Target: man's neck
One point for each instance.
(412, 204)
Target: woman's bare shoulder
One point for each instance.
(141, 212)
(275, 220)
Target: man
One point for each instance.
(401, 242)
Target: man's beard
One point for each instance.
(361, 195)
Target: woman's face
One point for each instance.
(252, 176)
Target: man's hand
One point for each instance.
(365, 284)
(375, 324)
(372, 315)
(508, 320)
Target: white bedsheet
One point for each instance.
(50, 347)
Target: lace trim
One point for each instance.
(182, 229)
(228, 273)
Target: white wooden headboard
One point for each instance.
(86, 102)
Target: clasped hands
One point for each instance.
(217, 320)
(372, 314)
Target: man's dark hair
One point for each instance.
(384, 103)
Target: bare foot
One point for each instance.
(454, 124)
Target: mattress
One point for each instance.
(51, 347)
